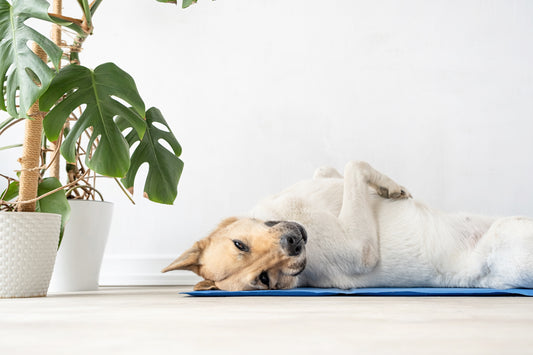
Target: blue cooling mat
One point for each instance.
(369, 292)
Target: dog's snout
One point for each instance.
(293, 236)
(271, 223)
(290, 225)
(302, 231)
(292, 243)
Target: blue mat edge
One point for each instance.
(422, 291)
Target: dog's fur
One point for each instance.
(364, 230)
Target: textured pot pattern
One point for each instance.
(28, 247)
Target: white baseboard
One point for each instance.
(142, 270)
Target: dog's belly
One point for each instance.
(403, 242)
(418, 246)
(411, 254)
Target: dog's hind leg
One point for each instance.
(503, 257)
(356, 214)
(325, 172)
(357, 219)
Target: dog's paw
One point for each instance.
(326, 172)
(393, 191)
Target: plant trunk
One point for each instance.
(29, 176)
(56, 38)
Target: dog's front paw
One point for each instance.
(393, 191)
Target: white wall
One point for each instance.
(436, 94)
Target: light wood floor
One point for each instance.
(158, 320)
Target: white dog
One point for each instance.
(360, 230)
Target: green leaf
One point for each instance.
(96, 89)
(55, 203)
(168, 1)
(186, 3)
(11, 192)
(22, 71)
(165, 167)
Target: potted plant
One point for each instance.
(59, 105)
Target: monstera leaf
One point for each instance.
(164, 166)
(21, 71)
(97, 90)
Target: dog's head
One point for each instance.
(247, 254)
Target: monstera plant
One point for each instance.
(94, 117)
(109, 97)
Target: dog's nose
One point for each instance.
(291, 225)
(302, 231)
(292, 243)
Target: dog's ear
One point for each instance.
(205, 285)
(189, 260)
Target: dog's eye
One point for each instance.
(240, 245)
(263, 277)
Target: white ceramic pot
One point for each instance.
(80, 255)
(28, 246)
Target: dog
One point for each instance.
(359, 230)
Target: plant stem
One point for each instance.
(75, 24)
(87, 15)
(11, 146)
(56, 38)
(29, 177)
(124, 190)
(36, 198)
(58, 16)
(76, 48)
(86, 25)
(94, 6)
(11, 122)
